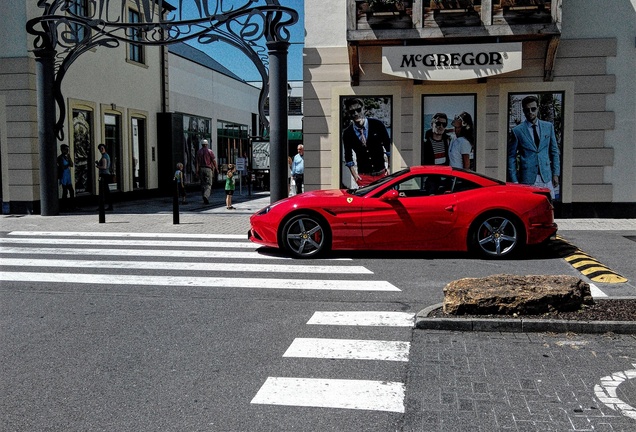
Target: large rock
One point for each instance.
(510, 294)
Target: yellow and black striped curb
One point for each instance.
(584, 263)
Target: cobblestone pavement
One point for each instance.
(517, 382)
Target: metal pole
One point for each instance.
(45, 73)
(278, 119)
(103, 184)
(175, 203)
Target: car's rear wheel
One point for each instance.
(497, 236)
(305, 236)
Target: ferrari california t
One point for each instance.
(424, 208)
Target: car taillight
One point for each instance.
(547, 195)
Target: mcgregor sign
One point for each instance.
(451, 62)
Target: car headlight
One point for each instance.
(264, 211)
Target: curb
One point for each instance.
(519, 325)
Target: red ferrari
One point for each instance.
(424, 208)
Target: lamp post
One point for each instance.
(277, 51)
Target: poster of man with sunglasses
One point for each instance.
(436, 141)
(534, 155)
(366, 142)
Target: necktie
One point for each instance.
(536, 135)
(363, 139)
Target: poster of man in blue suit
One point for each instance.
(533, 151)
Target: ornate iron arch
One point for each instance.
(66, 31)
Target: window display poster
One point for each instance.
(449, 130)
(535, 140)
(365, 139)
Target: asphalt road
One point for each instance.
(121, 343)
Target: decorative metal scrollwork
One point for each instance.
(69, 28)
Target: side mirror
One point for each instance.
(390, 195)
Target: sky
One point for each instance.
(237, 62)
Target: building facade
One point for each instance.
(118, 96)
(409, 61)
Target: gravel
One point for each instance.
(601, 310)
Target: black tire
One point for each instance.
(306, 236)
(497, 236)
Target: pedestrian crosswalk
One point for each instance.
(58, 257)
(375, 395)
(223, 261)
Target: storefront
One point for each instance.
(522, 61)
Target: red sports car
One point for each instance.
(424, 208)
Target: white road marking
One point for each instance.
(332, 393)
(189, 266)
(127, 234)
(596, 291)
(146, 243)
(233, 282)
(349, 349)
(363, 318)
(606, 392)
(180, 253)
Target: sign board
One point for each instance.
(451, 62)
(260, 155)
(240, 164)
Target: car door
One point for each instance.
(417, 213)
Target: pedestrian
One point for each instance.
(369, 139)
(298, 169)
(229, 189)
(64, 165)
(180, 180)
(289, 177)
(206, 167)
(105, 177)
(461, 146)
(533, 153)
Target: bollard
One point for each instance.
(175, 204)
(102, 211)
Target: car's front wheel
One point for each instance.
(497, 236)
(305, 236)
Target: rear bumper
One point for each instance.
(538, 233)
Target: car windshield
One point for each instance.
(376, 184)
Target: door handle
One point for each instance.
(450, 208)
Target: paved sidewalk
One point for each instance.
(152, 215)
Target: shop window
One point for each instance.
(232, 141)
(138, 127)
(195, 130)
(82, 150)
(112, 139)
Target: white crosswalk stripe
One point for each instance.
(332, 393)
(189, 266)
(348, 349)
(193, 281)
(364, 318)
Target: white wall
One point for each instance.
(584, 19)
(325, 23)
(197, 90)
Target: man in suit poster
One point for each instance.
(366, 142)
(533, 150)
